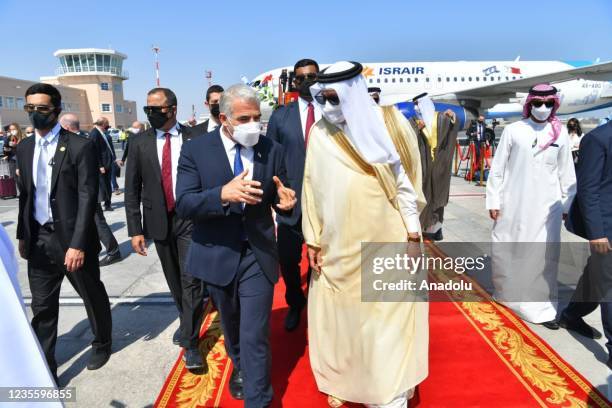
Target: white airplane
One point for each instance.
(496, 89)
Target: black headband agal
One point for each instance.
(419, 96)
(550, 92)
(374, 89)
(325, 78)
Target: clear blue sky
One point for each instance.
(235, 38)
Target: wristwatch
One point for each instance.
(411, 239)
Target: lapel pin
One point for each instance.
(63, 148)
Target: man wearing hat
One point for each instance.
(356, 190)
(375, 92)
(529, 191)
(437, 135)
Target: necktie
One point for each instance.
(239, 168)
(310, 119)
(167, 173)
(42, 187)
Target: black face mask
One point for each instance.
(42, 121)
(158, 119)
(304, 89)
(481, 121)
(214, 110)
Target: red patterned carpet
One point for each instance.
(481, 355)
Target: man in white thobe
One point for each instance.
(530, 188)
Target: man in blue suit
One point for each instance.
(591, 218)
(289, 125)
(228, 183)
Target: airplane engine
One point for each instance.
(464, 115)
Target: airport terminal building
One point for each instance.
(90, 81)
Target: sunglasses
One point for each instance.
(154, 109)
(301, 78)
(333, 99)
(44, 109)
(538, 102)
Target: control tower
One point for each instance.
(100, 73)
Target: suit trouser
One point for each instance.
(595, 288)
(188, 292)
(114, 171)
(290, 241)
(104, 232)
(245, 305)
(46, 272)
(104, 191)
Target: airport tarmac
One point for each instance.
(144, 317)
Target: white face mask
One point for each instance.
(30, 134)
(333, 113)
(135, 131)
(247, 134)
(13, 133)
(542, 113)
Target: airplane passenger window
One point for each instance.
(407, 79)
(499, 78)
(447, 79)
(426, 79)
(386, 80)
(393, 80)
(454, 79)
(477, 78)
(513, 78)
(416, 79)
(378, 80)
(470, 79)
(462, 79)
(507, 79)
(439, 79)
(401, 79)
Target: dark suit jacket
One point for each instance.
(143, 184)
(105, 156)
(216, 240)
(590, 215)
(285, 127)
(74, 189)
(202, 127)
(488, 133)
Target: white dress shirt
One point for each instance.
(176, 141)
(212, 125)
(303, 108)
(52, 137)
(246, 153)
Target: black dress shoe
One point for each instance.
(98, 358)
(579, 326)
(551, 324)
(110, 259)
(236, 385)
(292, 320)
(193, 359)
(176, 337)
(433, 236)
